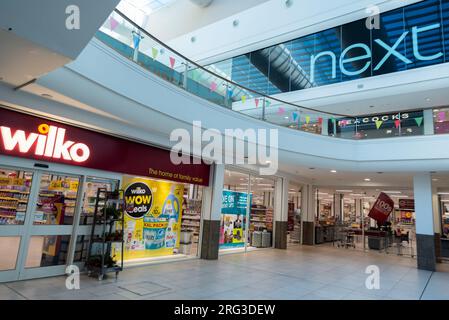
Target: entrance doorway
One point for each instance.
(40, 228)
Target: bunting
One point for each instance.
(256, 101)
(172, 62)
(154, 53)
(397, 123)
(419, 121)
(295, 116)
(281, 111)
(320, 120)
(379, 124)
(307, 119)
(213, 86)
(136, 40)
(113, 23)
(243, 99)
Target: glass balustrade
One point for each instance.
(213, 85)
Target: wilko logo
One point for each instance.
(139, 200)
(49, 142)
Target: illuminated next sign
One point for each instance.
(344, 60)
(50, 142)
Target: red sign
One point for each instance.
(37, 138)
(407, 204)
(381, 208)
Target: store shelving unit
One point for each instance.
(13, 204)
(111, 231)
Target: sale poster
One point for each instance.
(153, 213)
(233, 217)
(382, 208)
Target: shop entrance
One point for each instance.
(43, 220)
(37, 217)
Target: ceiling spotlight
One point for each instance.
(367, 179)
(428, 99)
(334, 171)
(235, 23)
(288, 3)
(192, 39)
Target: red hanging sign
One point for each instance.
(382, 208)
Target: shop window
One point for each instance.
(441, 120)
(9, 249)
(14, 196)
(57, 200)
(45, 251)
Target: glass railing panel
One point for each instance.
(212, 83)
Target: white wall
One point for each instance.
(272, 23)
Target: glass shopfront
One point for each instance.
(48, 195)
(418, 33)
(343, 220)
(247, 211)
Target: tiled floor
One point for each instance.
(297, 273)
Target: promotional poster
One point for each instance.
(153, 212)
(233, 217)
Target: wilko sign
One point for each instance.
(382, 208)
(40, 139)
(49, 142)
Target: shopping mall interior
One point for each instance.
(159, 153)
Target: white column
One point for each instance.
(325, 127)
(428, 122)
(425, 237)
(281, 213)
(308, 214)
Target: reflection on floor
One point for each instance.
(297, 273)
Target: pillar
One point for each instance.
(325, 126)
(308, 214)
(436, 223)
(428, 121)
(425, 237)
(281, 214)
(212, 199)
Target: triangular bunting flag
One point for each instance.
(320, 120)
(172, 62)
(307, 119)
(136, 40)
(256, 101)
(154, 53)
(281, 111)
(295, 116)
(113, 23)
(243, 99)
(419, 121)
(267, 103)
(378, 124)
(334, 121)
(397, 123)
(230, 93)
(213, 86)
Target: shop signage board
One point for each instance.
(382, 208)
(407, 204)
(31, 137)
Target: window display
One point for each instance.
(57, 200)
(14, 193)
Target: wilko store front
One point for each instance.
(49, 176)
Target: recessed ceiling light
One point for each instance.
(288, 3)
(434, 179)
(46, 95)
(268, 161)
(392, 192)
(334, 171)
(428, 99)
(286, 118)
(367, 179)
(343, 191)
(235, 23)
